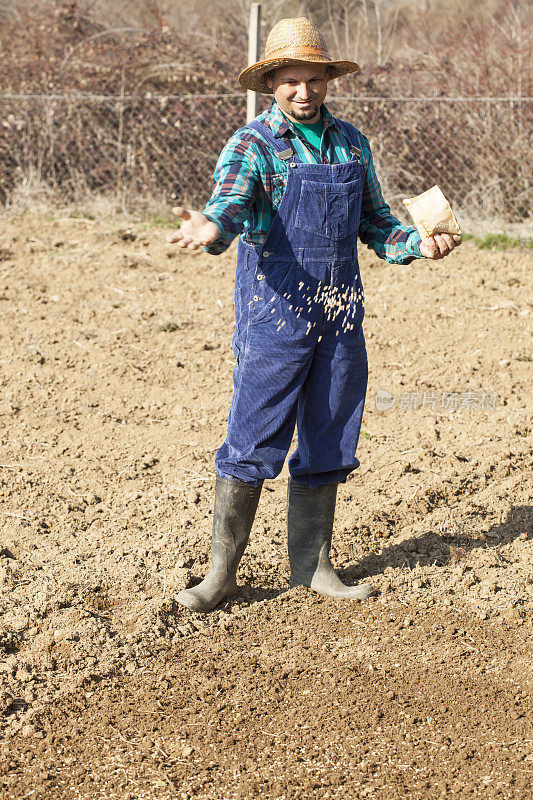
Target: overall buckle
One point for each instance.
(285, 154)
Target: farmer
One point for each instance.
(299, 187)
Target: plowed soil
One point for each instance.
(116, 381)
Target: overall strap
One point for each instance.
(279, 146)
(354, 138)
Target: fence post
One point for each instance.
(254, 32)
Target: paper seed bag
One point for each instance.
(431, 213)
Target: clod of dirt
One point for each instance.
(6, 702)
(128, 235)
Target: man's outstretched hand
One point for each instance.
(195, 230)
(439, 245)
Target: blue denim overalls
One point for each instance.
(298, 343)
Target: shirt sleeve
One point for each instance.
(234, 185)
(379, 228)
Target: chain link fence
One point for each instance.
(164, 148)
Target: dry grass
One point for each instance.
(133, 144)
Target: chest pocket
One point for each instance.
(329, 210)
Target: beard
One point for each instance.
(303, 114)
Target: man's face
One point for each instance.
(300, 90)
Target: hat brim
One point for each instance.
(254, 76)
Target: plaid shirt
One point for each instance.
(249, 182)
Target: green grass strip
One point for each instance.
(498, 241)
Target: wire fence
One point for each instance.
(141, 148)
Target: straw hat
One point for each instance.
(292, 41)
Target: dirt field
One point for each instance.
(116, 380)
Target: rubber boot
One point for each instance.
(233, 516)
(310, 526)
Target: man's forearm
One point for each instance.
(233, 193)
(390, 240)
(378, 227)
(226, 236)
